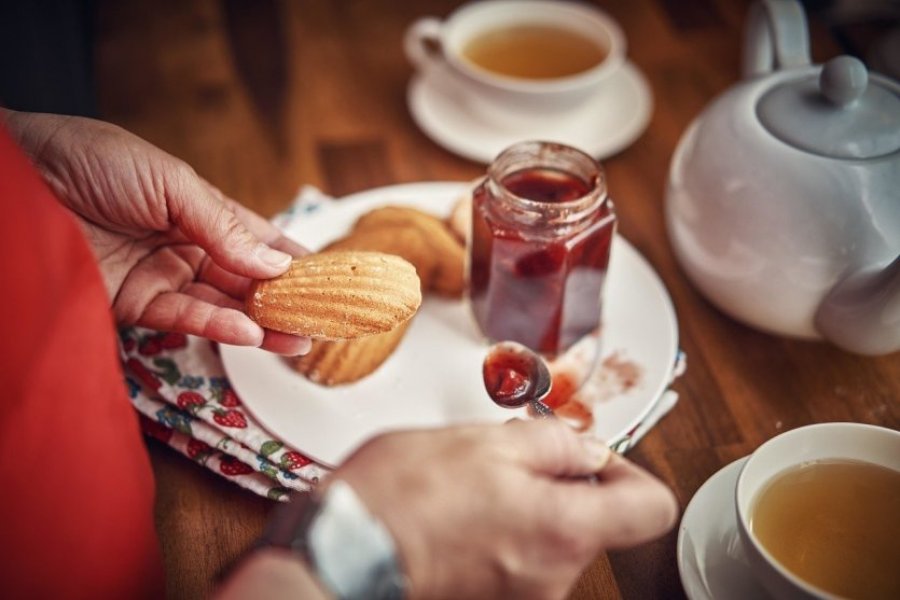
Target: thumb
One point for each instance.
(209, 221)
(551, 447)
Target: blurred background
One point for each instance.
(247, 81)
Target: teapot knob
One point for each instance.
(843, 80)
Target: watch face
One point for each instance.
(341, 521)
(320, 530)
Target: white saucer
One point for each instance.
(609, 123)
(711, 559)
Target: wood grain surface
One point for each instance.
(262, 97)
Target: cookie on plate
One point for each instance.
(346, 361)
(447, 252)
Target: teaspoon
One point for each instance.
(515, 376)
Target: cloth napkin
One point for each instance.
(179, 387)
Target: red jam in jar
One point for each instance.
(542, 226)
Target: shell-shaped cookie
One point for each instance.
(449, 254)
(345, 361)
(408, 243)
(337, 295)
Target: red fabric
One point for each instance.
(76, 487)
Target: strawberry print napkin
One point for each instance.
(184, 399)
(177, 384)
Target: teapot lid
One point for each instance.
(840, 114)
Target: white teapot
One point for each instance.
(783, 201)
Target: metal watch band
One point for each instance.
(351, 551)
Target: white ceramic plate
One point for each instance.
(711, 560)
(610, 122)
(434, 376)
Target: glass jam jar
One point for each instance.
(542, 226)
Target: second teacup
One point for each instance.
(817, 512)
(513, 61)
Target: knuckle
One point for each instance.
(509, 566)
(232, 229)
(561, 440)
(181, 171)
(178, 176)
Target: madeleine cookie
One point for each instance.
(346, 361)
(337, 295)
(406, 242)
(448, 252)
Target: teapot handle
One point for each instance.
(776, 36)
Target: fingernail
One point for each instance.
(598, 451)
(273, 257)
(302, 347)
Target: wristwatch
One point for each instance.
(351, 552)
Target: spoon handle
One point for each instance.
(543, 411)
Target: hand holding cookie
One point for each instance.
(177, 255)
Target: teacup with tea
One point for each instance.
(819, 512)
(517, 60)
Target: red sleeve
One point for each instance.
(76, 488)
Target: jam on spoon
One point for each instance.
(515, 376)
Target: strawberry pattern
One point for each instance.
(230, 418)
(156, 430)
(231, 466)
(172, 341)
(293, 460)
(178, 386)
(144, 375)
(198, 450)
(190, 401)
(229, 399)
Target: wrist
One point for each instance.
(271, 574)
(350, 551)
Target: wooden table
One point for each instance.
(261, 97)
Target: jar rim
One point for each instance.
(550, 155)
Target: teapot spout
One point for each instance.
(862, 312)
